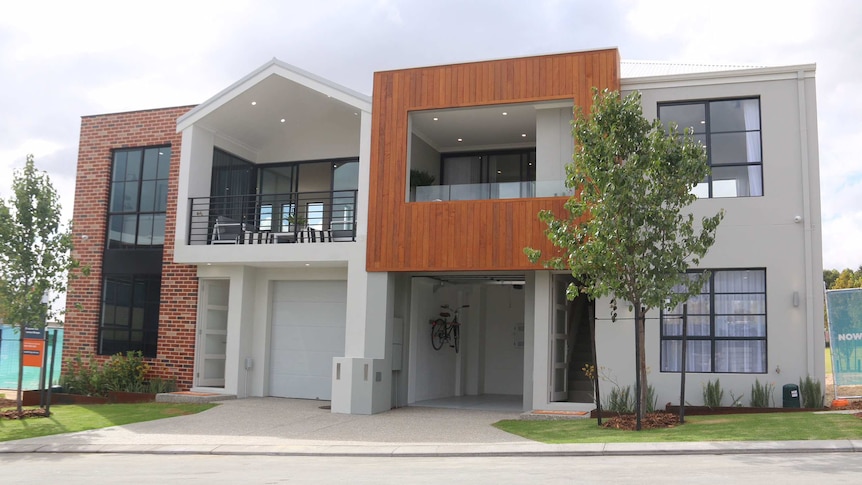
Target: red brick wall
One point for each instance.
(177, 315)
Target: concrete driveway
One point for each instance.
(276, 421)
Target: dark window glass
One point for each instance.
(130, 314)
(138, 201)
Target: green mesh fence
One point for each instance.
(9, 346)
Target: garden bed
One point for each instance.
(31, 398)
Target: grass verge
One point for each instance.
(736, 427)
(70, 418)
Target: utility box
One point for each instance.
(790, 394)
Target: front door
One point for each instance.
(560, 342)
(212, 333)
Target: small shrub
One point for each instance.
(736, 401)
(620, 400)
(761, 394)
(652, 399)
(159, 386)
(712, 394)
(84, 378)
(125, 372)
(809, 390)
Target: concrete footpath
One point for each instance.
(273, 426)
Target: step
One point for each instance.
(193, 397)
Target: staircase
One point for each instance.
(579, 386)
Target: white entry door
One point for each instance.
(308, 324)
(212, 333)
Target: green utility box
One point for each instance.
(790, 396)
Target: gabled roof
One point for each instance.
(284, 70)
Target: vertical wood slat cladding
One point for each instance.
(475, 235)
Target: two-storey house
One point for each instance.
(269, 241)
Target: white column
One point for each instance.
(239, 330)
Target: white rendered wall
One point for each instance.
(757, 232)
(503, 361)
(434, 373)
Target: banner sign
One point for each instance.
(34, 333)
(34, 349)
(844, 314)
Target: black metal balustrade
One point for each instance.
(273, 218)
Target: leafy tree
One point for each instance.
(847, 279)
(34, 253)
(829, 277)
(627, 232)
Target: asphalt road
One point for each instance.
(92, 469)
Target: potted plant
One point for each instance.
(297, 222)
(419, 178)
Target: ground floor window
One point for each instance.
(726, 326)
(130, 314)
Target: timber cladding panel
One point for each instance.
(465, 235)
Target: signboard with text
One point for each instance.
(844, 311)
(34, 350)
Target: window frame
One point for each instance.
(708, 133)
(150, 307)
(139, 215)
(713, 338)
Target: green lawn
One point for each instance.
(69, 418)
(738, 427)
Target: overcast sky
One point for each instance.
(60, 60)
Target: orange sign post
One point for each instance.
(34, 351)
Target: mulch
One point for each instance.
(664, 419)
(9, 410)
(654, 420)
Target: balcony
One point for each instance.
(505, 190)
(298, 217)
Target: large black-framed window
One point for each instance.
(726, 326)
(130, 314)
(139, 198)
(730, 130)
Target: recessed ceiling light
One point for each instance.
(460, 139)
(499, 171)
(355, 113)
(703, 122)
(283, 120)
(254, 103)
(308, 264)
(505, 113)
(530, 164)
(436, 118)
(524, 135)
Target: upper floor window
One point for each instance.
(139, 198)
(730, 131)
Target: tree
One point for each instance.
(626, 233)
(847, 279)
(35, 257)
(829, 277)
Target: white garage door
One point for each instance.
(308, 320)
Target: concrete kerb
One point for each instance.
(448, 450)
(280, 427)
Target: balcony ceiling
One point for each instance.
(505, 126)
(280, 112)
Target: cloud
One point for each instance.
(62, 60)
